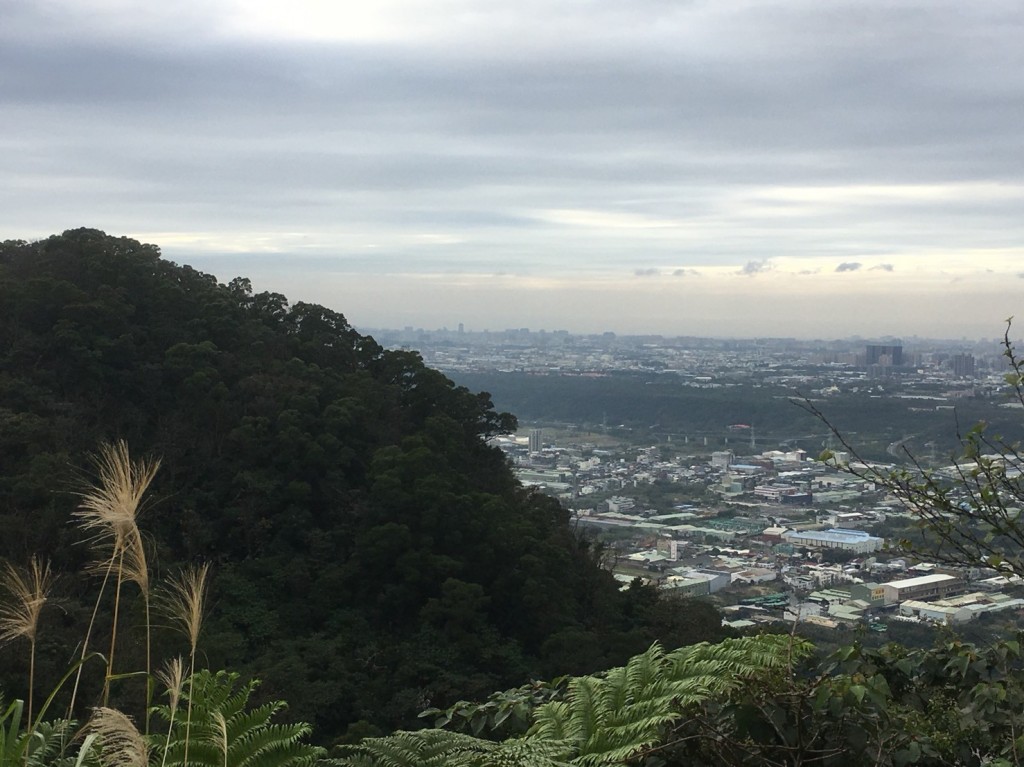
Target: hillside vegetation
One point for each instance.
(371, 554)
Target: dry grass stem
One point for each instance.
(135, 565)
(136, 568)
(88, 635)
(184, 606)
(29, 591)
(172, 676)
(220, 735)
(108, 512)
(185, 601)
(122, 745)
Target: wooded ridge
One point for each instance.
(371, 554)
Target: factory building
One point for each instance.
(857, 541)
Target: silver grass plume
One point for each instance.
(110, 506)
(29, 591)
(184, 602)
(173, 678)
(121, 743)
(108, 512)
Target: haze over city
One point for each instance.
(705, 168)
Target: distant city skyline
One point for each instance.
(973, 315)
(781, 168)
(553, 339)
(854, 342)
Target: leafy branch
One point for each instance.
(970, 512)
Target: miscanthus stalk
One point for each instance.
(108, 513)
(184, 604)
(28, 590)
(173, 678)
(121, 743)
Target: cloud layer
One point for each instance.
(562, 143)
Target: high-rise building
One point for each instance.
(535, 440)
(963, 365)
(887, 355)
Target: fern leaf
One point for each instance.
(426, 748)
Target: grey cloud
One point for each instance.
(755, 267)
(882, 267)
(685, 273)
(848, 266)
(646, 272)
(134, 129)
(592, 103)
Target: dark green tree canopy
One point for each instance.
(373, 555)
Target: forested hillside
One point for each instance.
(371, 555)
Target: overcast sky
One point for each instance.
(808, 167)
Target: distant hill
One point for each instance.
(655, 407)
(372, 554)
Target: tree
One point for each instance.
(374, 553)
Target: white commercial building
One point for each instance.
(934, 586)
(857, 541)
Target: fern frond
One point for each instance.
(277, 744)
(612, 717)
(551, 720)
(242, 724)
(49, 743)
(425, 748)
(223, 732)
(529, 752)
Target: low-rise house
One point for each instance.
(773, 534)
(978, 603)
(934, 612)
(830, 596)
(649, 557)
(800, 581)
(873, 593)
(998, 582)
(828, 575)
(934, 586)
(716, 579)
(848, 612)
(754, 575)
(820, 620)
(686, 587)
